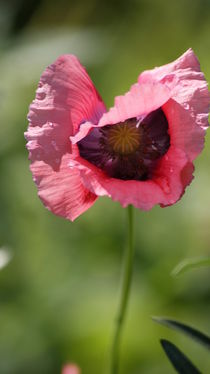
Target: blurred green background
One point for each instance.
(59, 290)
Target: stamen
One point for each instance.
(124, 138)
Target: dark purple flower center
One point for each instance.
(128, 150)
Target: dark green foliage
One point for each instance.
(178, 359)
(193, 333)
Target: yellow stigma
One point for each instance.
(124, 138)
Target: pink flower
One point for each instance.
(139, 152)
(70, 369)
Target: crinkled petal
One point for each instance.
(65, 85)
(65, 97)
(62, 192)
(187, 111)
(139, 101)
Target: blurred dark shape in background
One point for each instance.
(23, 13)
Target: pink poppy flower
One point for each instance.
(71, 369)
(139, 152)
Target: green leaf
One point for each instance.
(187, 330)
(190, 263)
(180, 362)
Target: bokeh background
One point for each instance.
(59, 281)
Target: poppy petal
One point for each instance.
(139, 101)
(61, 192)
(143, 195)
(65, 97)
(165, 188)
(187, 111)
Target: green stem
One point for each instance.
(126, 283)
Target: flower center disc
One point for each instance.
(128, 150)
(124, 138)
